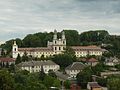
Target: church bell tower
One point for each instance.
(15, 50)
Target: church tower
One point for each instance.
(59, 44)
(63, 38)
(15, 50)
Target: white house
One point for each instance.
(57, 46)
(112, 61)
(74, 69)
(7, 60)
(35, 66)
(93, 86)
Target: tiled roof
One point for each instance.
(94, 84)
(7, 59)
(77, 48)
(61, 75)
(35, 49)
(36, 63)
(76, 66)
(92, 60)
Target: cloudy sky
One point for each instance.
(21, 17)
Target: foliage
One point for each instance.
(113, 83)
(6, 80)
(12, 68)
(99, 68)
(94, 37)
(42, 74)
(51, 82)
(18, 59)
(84, 77)
(73, 38)
(52, 73)
(63, 60)
(67, 84)
(25, 57)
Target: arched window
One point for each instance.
(15, 49)
(59, 48)
(55, 48)
(55, 42)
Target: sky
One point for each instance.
(21, 17)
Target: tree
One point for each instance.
(12, 68)
(113, 83)
(99, 68)
(67, 84)
(42, 74)
(25, 57)
(52, 73)
(48, 81)
(63, 60)
(18, 59)
(7, 65)
(6, 80)
(2, 53)
(56, 83)
(84, 77)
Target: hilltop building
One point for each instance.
(57, 46)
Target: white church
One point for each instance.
(57, 46)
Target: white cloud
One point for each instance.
(20, 17)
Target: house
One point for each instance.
(112, 61)
(35, 66)
(92, 62)
(5, 61)
(74, 69)
(57, 46)
(93, 86)
(109, 73)
(74, 87)
(61, 76)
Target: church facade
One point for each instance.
(57, 46)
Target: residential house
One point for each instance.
(35, 66)
(112, 61)
(5, 61)
(93, 86)
(74, 69)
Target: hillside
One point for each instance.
(98, 37)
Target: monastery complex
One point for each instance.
(57, 46)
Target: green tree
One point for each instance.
(42, 74)
(7, 65)
(25, 57)
(67, 84)
(52, 73)
(6, 80)
(12, 68)
(84, 77)
(113, 83)
(63, 60)
(56, 83)
(3, 53)
(18, 59)
(48, 81)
